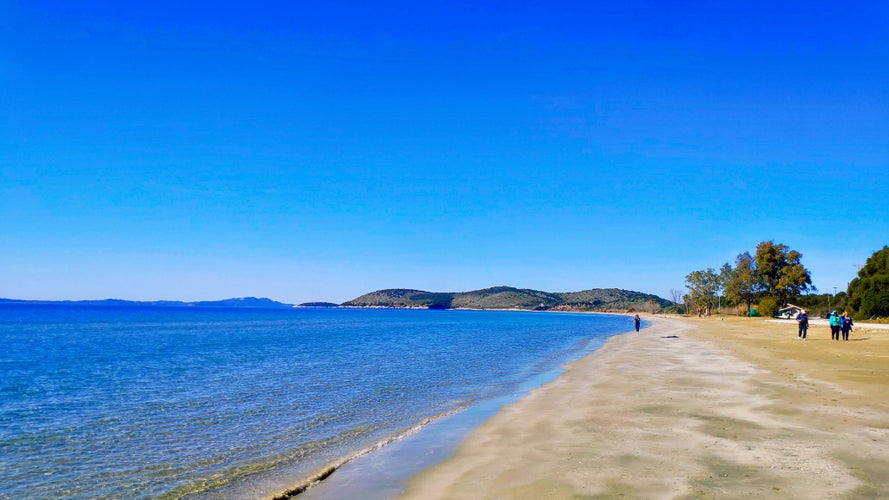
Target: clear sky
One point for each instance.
(320, 150)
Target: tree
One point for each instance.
(869, 292)
(780, 272)
(676, 298)
(725, 273)
(702, 289)
(742, 284)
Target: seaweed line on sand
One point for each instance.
(328, 470)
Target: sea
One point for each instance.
(153, 402)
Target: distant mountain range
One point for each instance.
(499, 297)
(504, 297)
(243, 302)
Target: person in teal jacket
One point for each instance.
(835, 323)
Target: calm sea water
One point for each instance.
(148, 402)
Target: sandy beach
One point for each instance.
(690, 407)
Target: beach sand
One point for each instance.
(731, 407)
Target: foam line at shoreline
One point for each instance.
(325, 472)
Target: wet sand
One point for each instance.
(731, 407)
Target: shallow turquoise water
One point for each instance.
(144, 402)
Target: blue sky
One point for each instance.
(318, 151)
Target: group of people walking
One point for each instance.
(839, 325)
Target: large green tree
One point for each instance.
(742, 283)
(703, 286)
(869, 292)
(780, 271)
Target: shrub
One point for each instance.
(768, 307)
(674, 309)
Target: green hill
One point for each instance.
(611, 298)
(504, 297)
(391, 297)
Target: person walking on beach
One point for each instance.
(835, 323)
(803, 320)
(846, 325)
(637, 321)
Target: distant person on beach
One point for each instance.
(847, 324)
(835, 323)
(803, 320)
(637, 321)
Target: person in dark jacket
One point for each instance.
(803, 320)
(846, 325)
(637, 321)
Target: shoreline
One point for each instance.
(702, 407)
(379, 475)
(317, 477)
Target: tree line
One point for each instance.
(869, 292)
(775, 276)
(772, 276)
